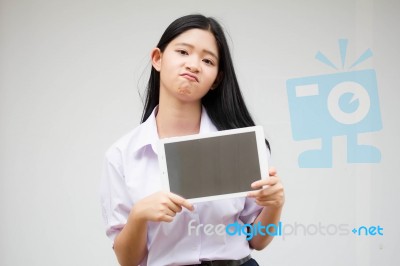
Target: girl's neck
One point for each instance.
(178, 119)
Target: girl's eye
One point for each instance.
(182, 52)
(208, 62)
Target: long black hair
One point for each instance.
(224, 104)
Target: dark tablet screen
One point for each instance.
(213, 166)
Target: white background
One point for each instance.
(70, 72)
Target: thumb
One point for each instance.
(272, 171)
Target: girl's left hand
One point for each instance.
(272, 195)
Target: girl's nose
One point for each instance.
(192, 69)
(192, 65)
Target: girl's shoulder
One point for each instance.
(133, 141)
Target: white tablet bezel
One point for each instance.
(261, 150)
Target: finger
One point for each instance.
(270, 203)
(260, 183)
(261, 194)
(181, 201)
(163, 215)
(166, 218)
(169, 212)
(173, 206)
(167, 203)
(272, 171)
(252, 194)
(266, 192)
(270, 181)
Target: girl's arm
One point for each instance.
(267, 216)
(272, 198)
(130, 245)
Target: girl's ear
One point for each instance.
(156, 58)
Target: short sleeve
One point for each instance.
(114, 199)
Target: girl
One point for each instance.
(192, 89)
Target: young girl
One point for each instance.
(192, 89)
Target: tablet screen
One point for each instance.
(213, 166)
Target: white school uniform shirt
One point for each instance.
(132, 173)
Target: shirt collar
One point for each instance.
(148, 130)
(206, 125)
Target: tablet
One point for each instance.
(215, 165)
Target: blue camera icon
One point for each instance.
(325, 106)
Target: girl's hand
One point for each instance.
(159, 207)
(272, 195)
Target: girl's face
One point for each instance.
(188, 66)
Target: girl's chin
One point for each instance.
(184, 91)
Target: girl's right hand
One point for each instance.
(159, 207)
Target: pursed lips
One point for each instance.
(190, 76)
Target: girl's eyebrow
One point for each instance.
(192, 46)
